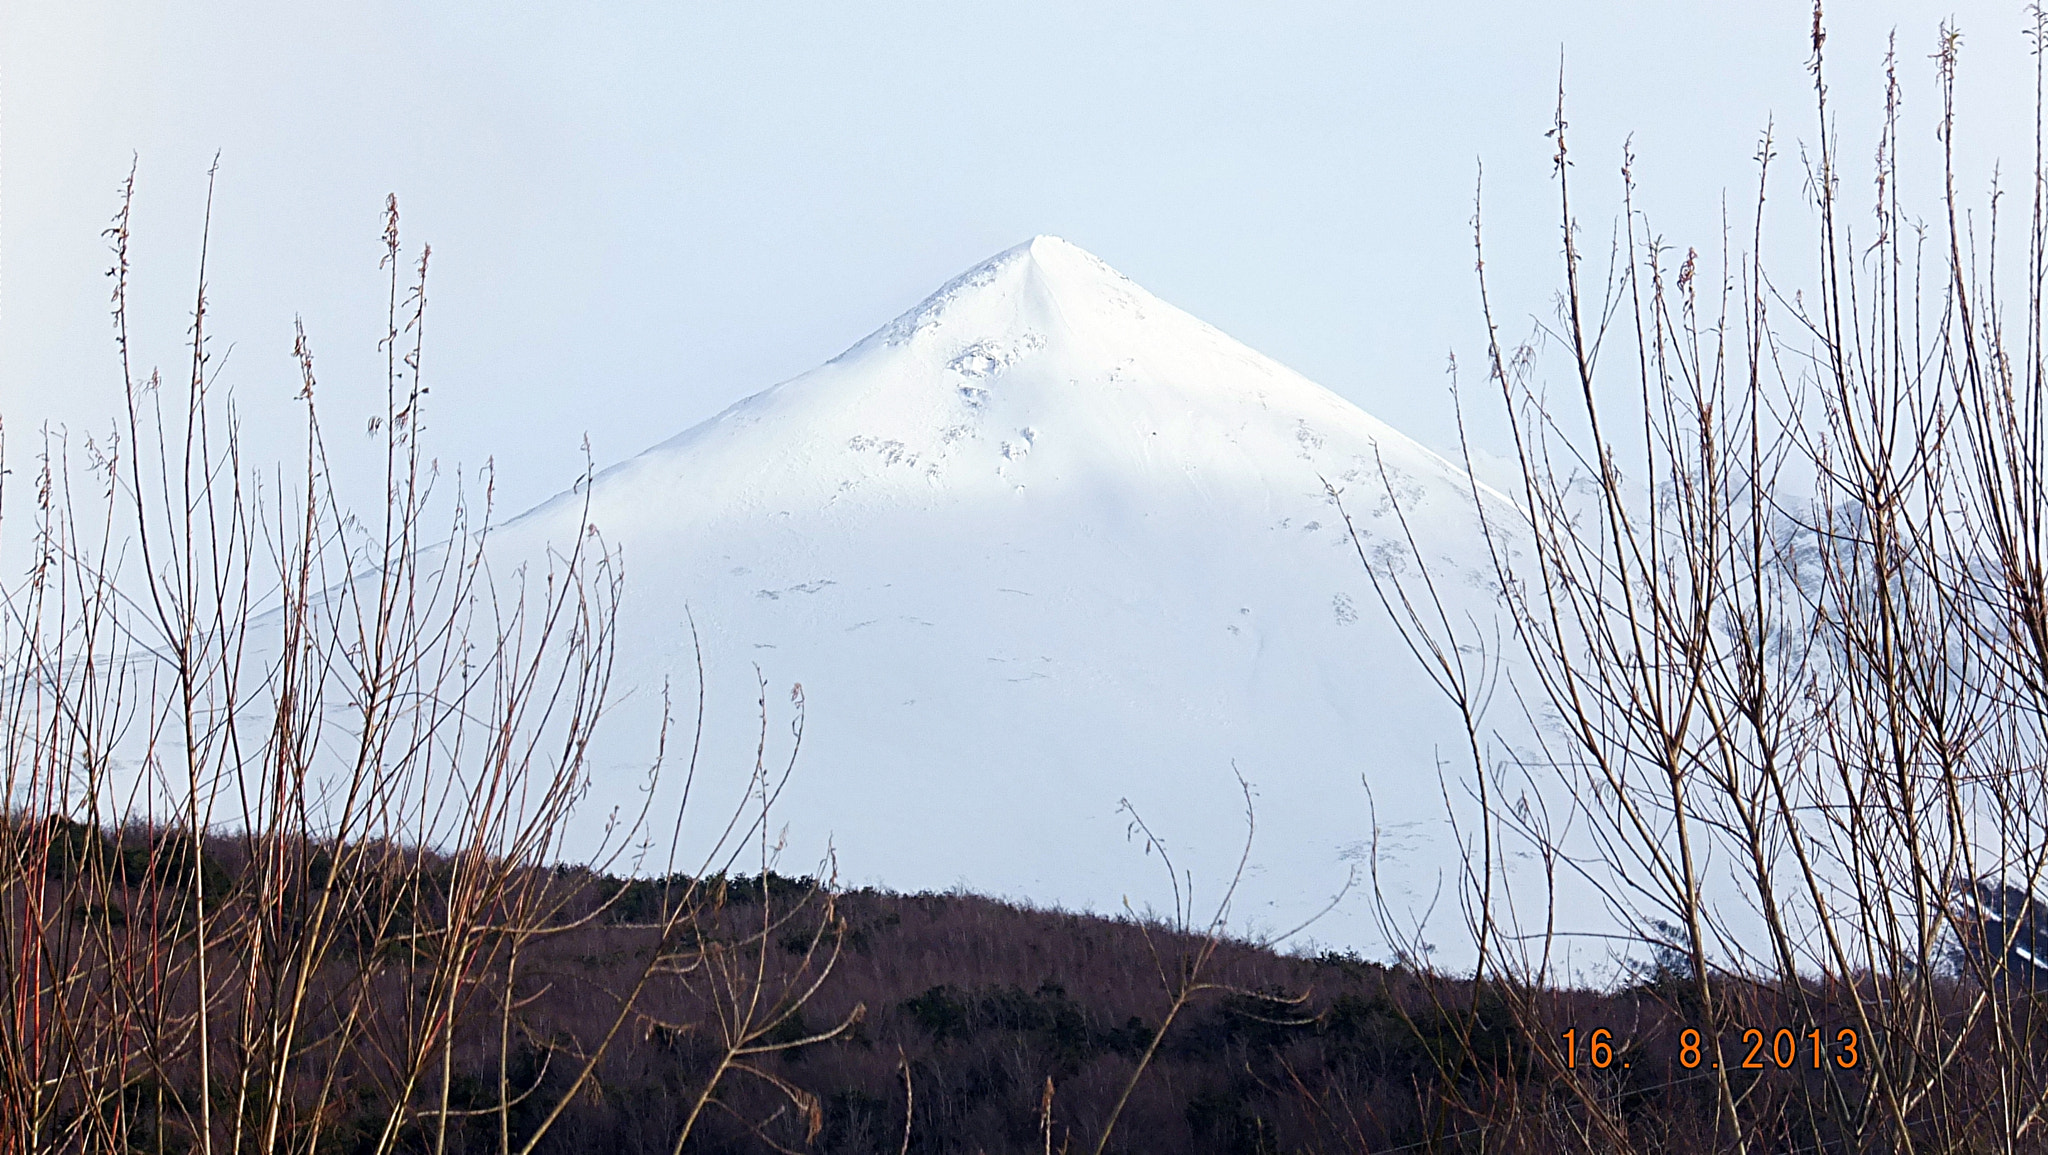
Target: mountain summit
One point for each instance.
(1041, 545)
(1040, 367)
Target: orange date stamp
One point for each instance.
(1783, 1049)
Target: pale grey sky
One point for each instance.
(641, 213)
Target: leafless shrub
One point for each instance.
(286, 793)
(1777, 630)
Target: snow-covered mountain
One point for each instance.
(1041, 544)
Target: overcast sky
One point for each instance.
(641, 213)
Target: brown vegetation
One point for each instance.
(1014, 1029)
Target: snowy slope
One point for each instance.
(1041, 544)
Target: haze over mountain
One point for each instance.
(1041, 544)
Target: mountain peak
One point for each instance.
(1041, 543)
(1044, 274)
(1059, 257)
